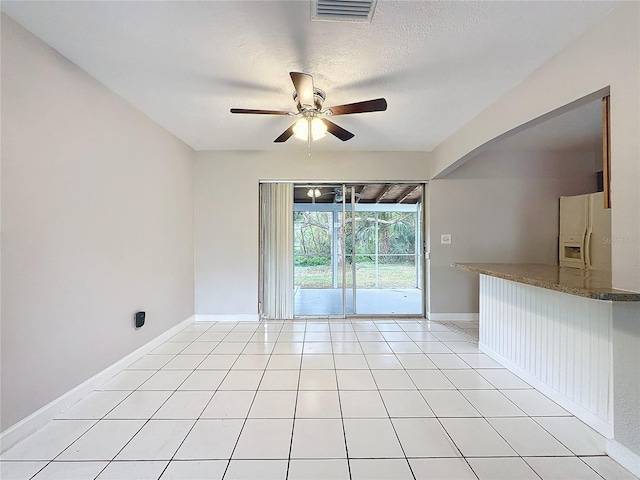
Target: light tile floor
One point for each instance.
(315, 399)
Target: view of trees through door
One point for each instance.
(357, 249)
(385, 246)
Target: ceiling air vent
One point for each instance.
(343, 10)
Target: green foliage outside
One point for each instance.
(308, 261)
(389, 276)
(395, 246)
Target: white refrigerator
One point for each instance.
(585, 232)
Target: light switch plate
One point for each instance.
(445, 239)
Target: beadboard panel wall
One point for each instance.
(560, 343)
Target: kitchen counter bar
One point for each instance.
(572, 336)
(593, 284)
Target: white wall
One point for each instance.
(97, 223)
(227, 210)
(608, 55)
(488, 205)
(499, 207)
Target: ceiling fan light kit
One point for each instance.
(314, 193)
(312, 125)
(302, 127)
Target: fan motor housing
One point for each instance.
(318, 99)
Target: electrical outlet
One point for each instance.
(140, 319)
(445, 239)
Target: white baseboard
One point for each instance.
(453, 317)
(232, 317)
(598, 424)
(625, 457)
(38, 419)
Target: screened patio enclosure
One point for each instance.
(358, 250)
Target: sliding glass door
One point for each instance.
(318, 251)
(387, 258)
(358, 250)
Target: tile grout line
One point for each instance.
(395, 431)
(295, 405)
(203, 409)
(151, 416)
(344, 430)
(244, 423)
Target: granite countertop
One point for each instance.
(594, 284)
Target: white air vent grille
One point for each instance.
(343, 10)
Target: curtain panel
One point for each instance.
(277, 250)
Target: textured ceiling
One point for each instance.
(185, 64)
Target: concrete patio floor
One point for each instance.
(369, 301)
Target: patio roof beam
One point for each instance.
(383, 192)
(407, 192)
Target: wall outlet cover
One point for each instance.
(445, 239)
(140, 319)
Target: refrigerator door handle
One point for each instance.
(587, 248)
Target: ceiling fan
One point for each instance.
(338, 196)
(313, 123)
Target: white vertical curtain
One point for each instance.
(277, 255)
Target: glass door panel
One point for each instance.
(317, 258)
(387, 256)
(358, 250)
